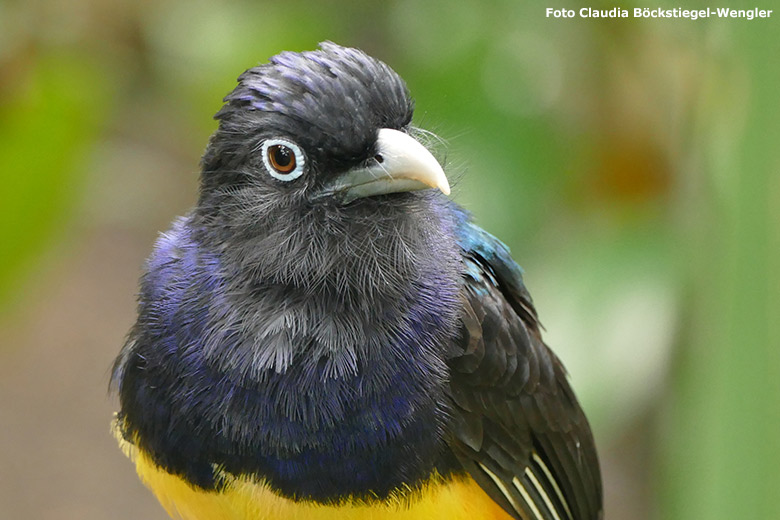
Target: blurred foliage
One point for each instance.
(722, 441)
(630, 164)
(52, 104)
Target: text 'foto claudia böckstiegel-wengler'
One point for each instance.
(658, 12)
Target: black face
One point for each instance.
(295, 123)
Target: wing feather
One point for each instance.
(517, 427)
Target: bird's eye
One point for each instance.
(283, 159)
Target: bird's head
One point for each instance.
(314, 153)
(329, 127)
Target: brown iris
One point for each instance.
(281, 158)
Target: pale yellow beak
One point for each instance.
(400, 164)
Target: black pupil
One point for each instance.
(283, 156)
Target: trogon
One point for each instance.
(326, 335)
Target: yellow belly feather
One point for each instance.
(246, 499)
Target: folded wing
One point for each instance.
(517, 427)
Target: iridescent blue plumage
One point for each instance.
(315, 430)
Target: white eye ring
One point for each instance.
(274, 169)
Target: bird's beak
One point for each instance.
(401, 164)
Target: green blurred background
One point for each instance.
(632, 166)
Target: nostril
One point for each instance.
(378, 157)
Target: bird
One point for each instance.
(326, 334)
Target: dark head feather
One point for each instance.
(330, 101)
